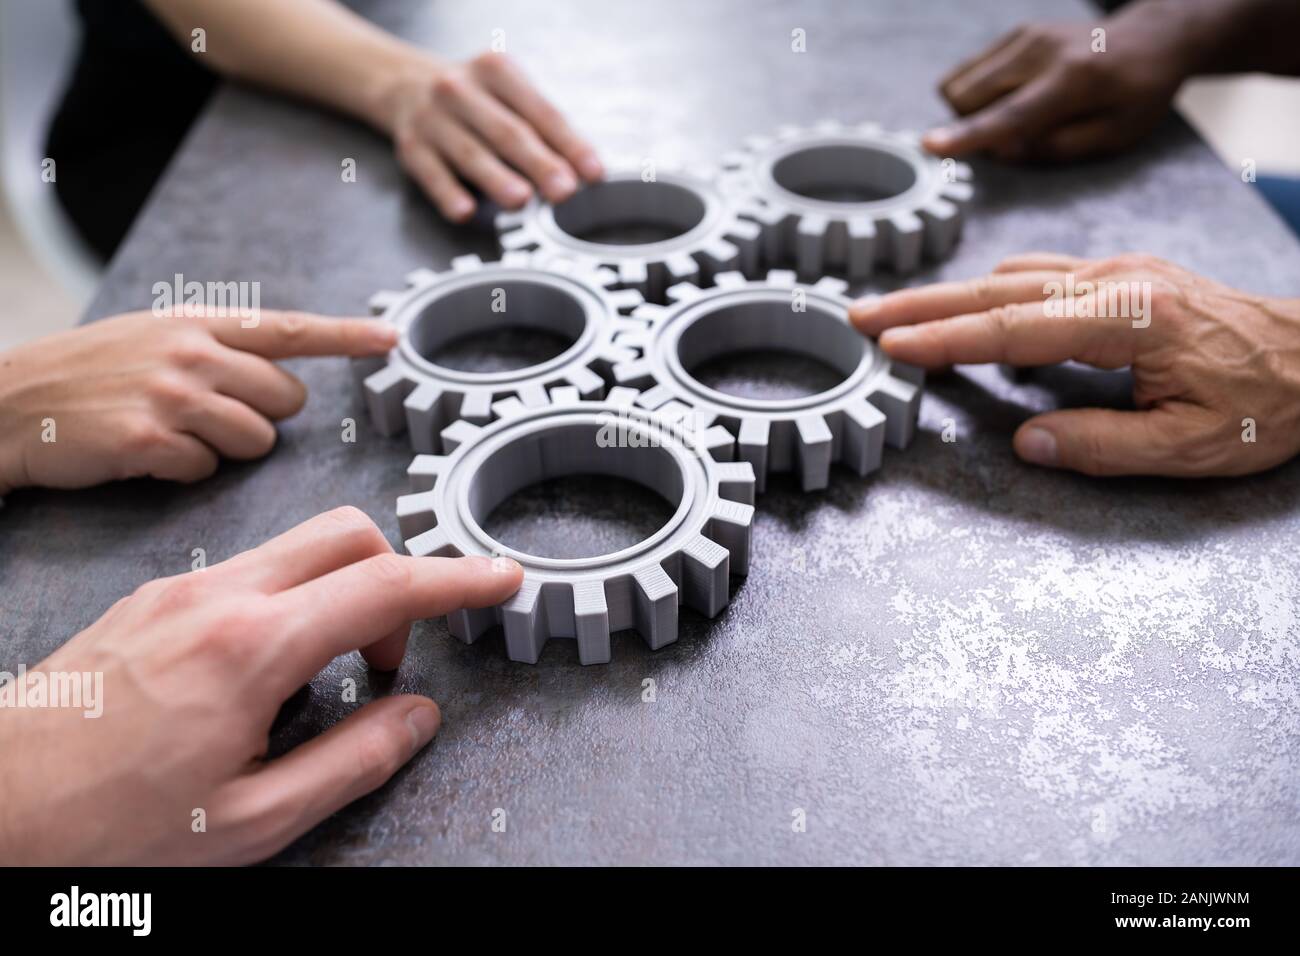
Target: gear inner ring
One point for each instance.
(827, 175)
(559, 445)
(488, 301)
(669, 204)
(764, 320)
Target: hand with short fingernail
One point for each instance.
(1216, 372)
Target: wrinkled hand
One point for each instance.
(1043, 93)
(195, 668)
(141, 395)
(484, 122)
(1205, 358)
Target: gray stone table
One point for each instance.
(961, 659)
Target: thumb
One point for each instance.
(1099, 441)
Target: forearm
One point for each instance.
(315, 49)
(1230, 36)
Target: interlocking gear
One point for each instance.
(688, 560)
(697, 232)
(876, 401)
(408, 390)
(794, 185)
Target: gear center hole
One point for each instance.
(765, 350)
(844, 173)
(630, 212)
(498, 326)
(564, 494)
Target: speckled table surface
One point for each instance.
(958, 660)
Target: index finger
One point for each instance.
(1021, 334)
(940, 300)
(275, 335)
(360, 605)
(1010, 121)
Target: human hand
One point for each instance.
(194, 669)
(1216, 372)
(483, 122)
(141, 395)
(1045, 92)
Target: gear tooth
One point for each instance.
(655, 612)
(469, 624)
(736, 480)
(588, 384)
(900, 401)
(864, 437)
(516, 239)
(564, 395)
(909, 137)
(508, 407)
(788, 131)
(731, 525)
(810, 245)
(718, 442)
(868, 129)
(613, 355)
(422, 473)
(681, 268)
(622, 396)
(733, 159)
(683, 292)
(746, 235)
(524, 619)
(782, 279)
(533, 395)
(591, 622)
(635, 372)
(908, 372)
(861, 253)
(963, 172)
(606, 277)
(421, 278)
(466, 263)
(517, 259)
(457, 434)
(719, 255)
(384, 300)
(415, 514)
(814, 448)
(476, 407)
(705, 570)
(632, 339)
(424, 417)
(904, 233)
(433, 543)
(626, 300)
(632, 272)
(654, 398)
(752, 442)
(649, 312)
(757, 144)
(828, 127)
(958, 192)
(830, 285)
(942, 227)
(729, 280)
(385, 392)
(510, 218)
(673, 413)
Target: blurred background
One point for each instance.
(47, 274)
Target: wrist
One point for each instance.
(388, 91)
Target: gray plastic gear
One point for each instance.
(876, 402)
(791, 184)
(688, 560)
(706, 237)
(406, 390)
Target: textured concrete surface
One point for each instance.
(958, 660)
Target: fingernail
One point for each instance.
(423, 722)
(518, 193)
(864, 309)
(461, 208)
(503, 565)
(590, 167)
(939, 138)
(560, 186)
(893, 338)
(382, 334)
(1038, 445)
